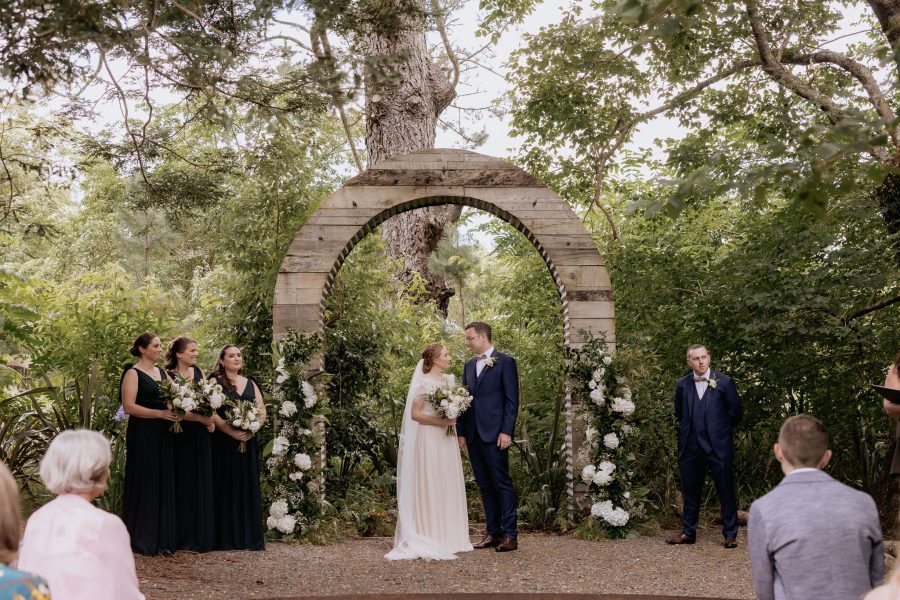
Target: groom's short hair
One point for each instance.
(480, 327)
(803, 440)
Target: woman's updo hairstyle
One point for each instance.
(141, 342)
(431, 352)
(177, 346)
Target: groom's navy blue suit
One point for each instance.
(705, 442)
(493, 411)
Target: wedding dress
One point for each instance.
(432, 518)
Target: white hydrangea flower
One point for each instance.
(288, 409)
(596, 510)
(587, 474)
(296, 476)
(303, 461)
(286, 524)
(597, 396)
(598, 374)
(280, 446)
(617, 517)
(602, 478)
(592, 384)
(627, 430)
(621, 405)
(590, 434)
(626, 393)
(607, 360)
(279, 508)
(309, 394)
(272, 522)
(607, 466)
(281, 371)
(254, 426)
(611, 441)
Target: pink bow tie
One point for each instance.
(482, 357)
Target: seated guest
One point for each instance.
(812, 537)
(14, 584)
(82, 551)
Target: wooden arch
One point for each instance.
(444, 176)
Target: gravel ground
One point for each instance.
(543, 563)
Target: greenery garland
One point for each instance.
(292, 486)
(605, 463)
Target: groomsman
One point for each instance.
(707, 407)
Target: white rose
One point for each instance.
(236, 423)
(597, 396)
(288, 409)
(592, 384)
(303, 461)
(606, 466)
(611, 441)
(607, 360)
(296, 476)
(598, 374)
(176, 402)
(282, 377)
(279, 508)
(254, 426)
(602, 478)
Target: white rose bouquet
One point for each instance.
(243, 415)
(180, 397)
(449, 403)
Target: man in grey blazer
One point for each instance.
(812, 536)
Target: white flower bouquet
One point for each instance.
(243, 415)
(449, 403)
(180, 397)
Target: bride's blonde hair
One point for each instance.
(431, 352)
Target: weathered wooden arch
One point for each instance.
(443, 176)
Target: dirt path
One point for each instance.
(543, 563)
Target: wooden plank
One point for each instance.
(561, 226)
(565, 242)
(326, 233)
(302, 317)
(596, 327)
(591, 310)
(388, 196)
(583, 277)
(307, 264)
(573, 256)
(440, 177)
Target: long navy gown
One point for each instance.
(149, 499)
(194, 485)
(238, 506)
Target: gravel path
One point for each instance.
(543, 563)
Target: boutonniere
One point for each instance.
(490, 361)
(713, 383)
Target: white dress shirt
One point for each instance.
(479, 363)
(702, 385)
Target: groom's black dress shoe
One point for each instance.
(681, 539)
(487, 541)
(730, 541)
(507, 545)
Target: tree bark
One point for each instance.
(888, 14)
(402, 111)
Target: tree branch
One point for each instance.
(861, 73)
(870, 309)
(442, 29)
(780, 75)
(196, 17)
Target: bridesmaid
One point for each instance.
(238, 514)
(149, 502)
(193, 458)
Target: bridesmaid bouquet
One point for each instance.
(180, 397)
(210, 397)
(243, 415)
(449, 403)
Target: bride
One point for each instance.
(432, 518)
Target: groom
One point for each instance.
(485, 432)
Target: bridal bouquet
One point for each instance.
(243, 415)
(449, 403)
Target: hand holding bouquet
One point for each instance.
(179, 397)
(243, 415)
(449, 403)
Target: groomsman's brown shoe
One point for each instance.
(681, 538)
(730, 541)
(488, 541)
(507, 545)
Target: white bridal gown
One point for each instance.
(432, 521)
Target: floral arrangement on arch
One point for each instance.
(293, 489)
(605, 462)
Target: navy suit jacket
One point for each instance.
(723, 412)
(496, 399)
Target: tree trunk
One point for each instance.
(401, 116)
(888, 14)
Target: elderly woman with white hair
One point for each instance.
(82, 551)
